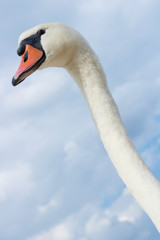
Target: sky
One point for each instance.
(56, 180)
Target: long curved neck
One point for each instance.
(87, 71)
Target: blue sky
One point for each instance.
(56, 180)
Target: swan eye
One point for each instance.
(41, 32)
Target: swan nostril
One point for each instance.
(25, 58)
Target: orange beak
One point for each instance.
(31, 59)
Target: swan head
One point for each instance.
(46, 45)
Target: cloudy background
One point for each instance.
(56, 180)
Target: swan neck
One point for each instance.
(88, 73)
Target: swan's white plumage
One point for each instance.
(65, 47)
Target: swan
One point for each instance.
(58, 45)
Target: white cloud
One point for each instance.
(15, 182)
(91, 222)
(125, 209)
(59, 232)
(71, 150)
(138, 100)
(130, 11)
(92, 8)
(74, 153)
(37, 91)
(42, 209)
(54, 203)
(96, 224)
